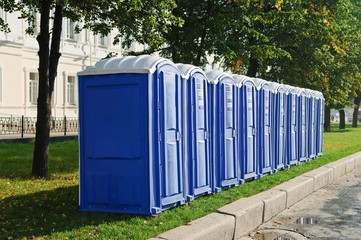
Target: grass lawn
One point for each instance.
(48, 208)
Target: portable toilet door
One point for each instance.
(312, 122)
(291, 126)
(130, 120)
(196, 128)
(319, 124)
(247, 118)
(302, 128)
(265, 122)
(224, 127)
(280, 109)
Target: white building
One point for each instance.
(19, 67)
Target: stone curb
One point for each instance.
(214, 226)
(246, 214)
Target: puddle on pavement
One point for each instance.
(272, 236)
(306, 221)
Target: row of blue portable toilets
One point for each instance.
(154, 134)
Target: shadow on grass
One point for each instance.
(47, 212)
(16, 159)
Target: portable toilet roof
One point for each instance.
(214, 76)
(277, 86)
(309, 93)
(261, 82)
(289, 89)
(129, 64)
(239, 79)
(318, 95)
(301, 91)
(187, 70)
(246, 80)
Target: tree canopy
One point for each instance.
(306, 43)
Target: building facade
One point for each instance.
(19, 67)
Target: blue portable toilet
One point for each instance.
(291, 126)
(319, 123)
(302, 124)
(247, 125)
(312, 122)
(279, 130)
(130, 136)
(265, 121)
(197, 131)
(223, 109)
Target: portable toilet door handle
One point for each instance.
(234, 133)
(179, 136)
(205, 135)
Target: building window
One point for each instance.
(70, 90)
(102, 40)
(70, 29)
(33, 87)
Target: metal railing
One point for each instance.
(23, 125)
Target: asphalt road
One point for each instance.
(333, 212)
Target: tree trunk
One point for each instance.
(342, 119)
(327, 124)
(48, 64)
(253, 67)
(356, 101)
(200, 48)
(203, 36)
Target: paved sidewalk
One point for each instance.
(31, 137)
(333, 212)
(241, 217)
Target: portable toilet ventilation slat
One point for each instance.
(130, 135)
(248, 127)
(223, 109)
(265, 121)
(280, 119)
(197, 131)
(292, 126)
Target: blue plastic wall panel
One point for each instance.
(114, 168)
(280, 129)
(292, 128)
(320, 121)
(248, 148)
(302, 146)
(198, 160)
(313, 110)
(170, 147)
(214, 137)
(265, 134)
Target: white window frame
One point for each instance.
(70, 90)
(70, 29)
(66, 90)
(102, 41)
(33, 85)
